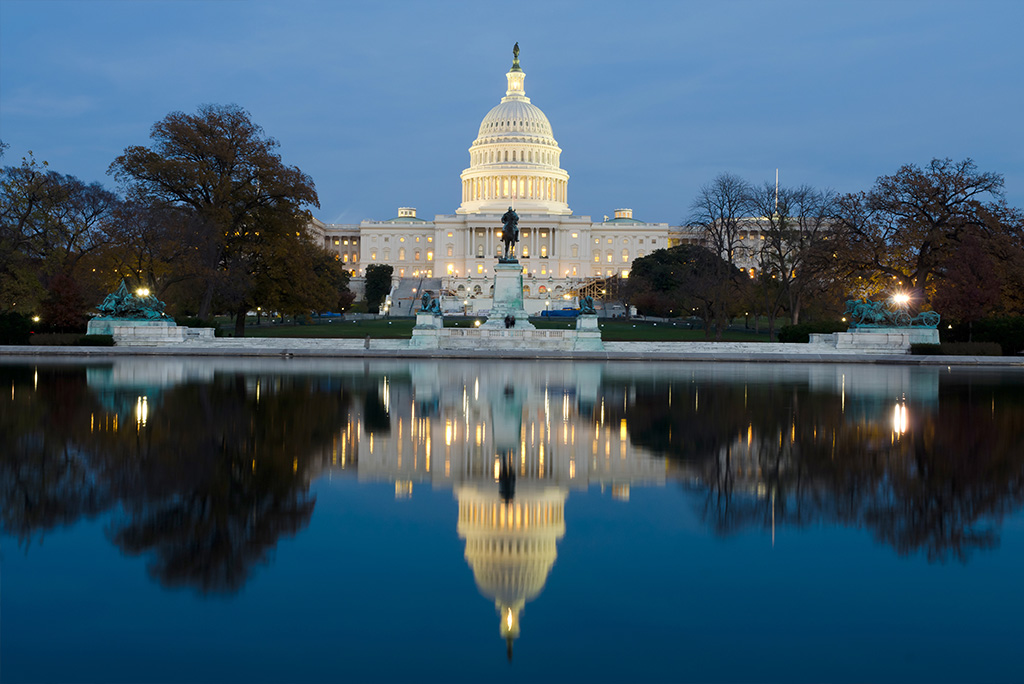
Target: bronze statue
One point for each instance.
(515, 55)
(123, 304)
(429, 303)
(509, 234)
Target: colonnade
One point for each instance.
(514, 187)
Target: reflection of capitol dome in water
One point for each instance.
(511, 546)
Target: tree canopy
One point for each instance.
(248, 206)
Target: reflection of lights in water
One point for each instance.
(141, 411)
(508, 619)
(448, 433)
(899, 419)
(387, 394)
(622, 429)
(35, 379)
(497, 469)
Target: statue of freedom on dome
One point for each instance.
(510, 235)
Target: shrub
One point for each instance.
(957, 349)
(802, 332)
(15, 328)
(54, 339)
(194, 322)
(96, 340)
(1007, 331)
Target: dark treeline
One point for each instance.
(942, 234)
(209, 218)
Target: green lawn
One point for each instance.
(611, 330)
(377, 329)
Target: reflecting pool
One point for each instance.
(318, 520)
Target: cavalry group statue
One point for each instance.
(509, 235)
(864, 313)
(123, 304)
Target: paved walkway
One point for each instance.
(777, 352)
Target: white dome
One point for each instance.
(514, 160)
(515, 117)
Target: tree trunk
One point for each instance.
(240, 322)
(207, 301)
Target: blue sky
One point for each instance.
(379, 101)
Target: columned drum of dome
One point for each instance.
(515, 159)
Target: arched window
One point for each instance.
(625, 255)
(542, 290)
(401, 254)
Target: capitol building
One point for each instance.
(514, 161)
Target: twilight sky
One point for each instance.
(379, 101)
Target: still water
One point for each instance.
(266, 521)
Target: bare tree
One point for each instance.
(719, 210)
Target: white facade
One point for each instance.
(513, 162)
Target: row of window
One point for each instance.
(528, 156)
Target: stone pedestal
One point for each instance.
(878, 340)
(588, 334)
(427, 331)
(129, 332)
(508, 298)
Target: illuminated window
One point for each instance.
(401, 272)
(336, 241)
(401, 239)
(625, 255)
(543, 251)
(387, 255)
(597, 257)
(543, 233)
(479, 268)
(575, 235)
(417, 238)
(430, 255)
(449, 233)
(373, 255)
(346, 241)
(401, 254)
(416, 255)
(430, 239)
(609, 257)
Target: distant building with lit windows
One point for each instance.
(514, 161)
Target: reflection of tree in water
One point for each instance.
(46, 480)
(211, 483)
(786, 455)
